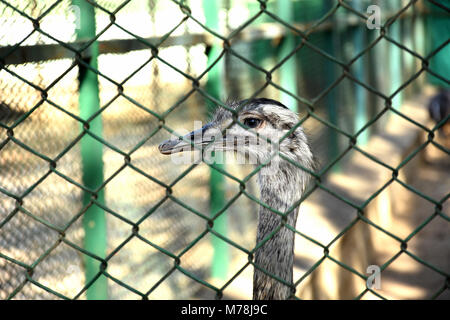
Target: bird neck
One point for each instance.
(280, 188)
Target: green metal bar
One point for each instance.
(94, 221)
(438, 27)
(288, 71)
(221, 256)
(332, 99)
(361, 102)
(259, 49)
(395, 59)
(407, 26)
(418, 40)
(381, 77)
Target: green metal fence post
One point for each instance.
(395, 58)
(288, 71)
(221, 257)
(438, 27)
(94, 222)
(335, 98)
(361, 102)
(418, 43)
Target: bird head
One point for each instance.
(259, 129)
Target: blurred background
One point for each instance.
(89, 209)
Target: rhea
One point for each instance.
(286, 161)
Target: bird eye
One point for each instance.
(252, 122)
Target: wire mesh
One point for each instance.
(158, 227)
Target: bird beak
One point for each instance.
(188, 142)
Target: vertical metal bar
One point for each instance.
(335, 97)
(288, 71)
(381, 75)
(258, 50)
(221, 256)
(361, 102)
(407, 26)
(395, 58)
(418, 41)
(94, 222)
(438, 25)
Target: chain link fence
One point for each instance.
(143, 227)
